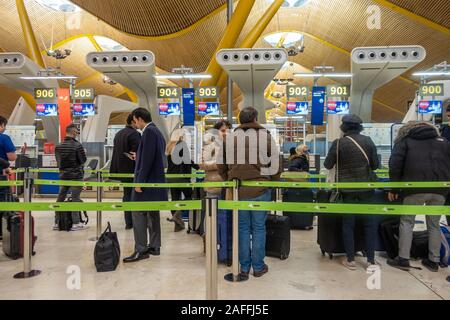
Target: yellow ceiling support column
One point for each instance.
(256, 32)
(232, 32)
(32, 46)
(28, 34)
(94, 42)
(28, 98)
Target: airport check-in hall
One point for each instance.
(253, 150)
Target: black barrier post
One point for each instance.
(99, 213)
(234, 275)
(27, 232)
(211, 206)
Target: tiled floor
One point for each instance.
(179, 273)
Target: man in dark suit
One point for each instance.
(126, 143)
(149, 169)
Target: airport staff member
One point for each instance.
(71, 157)
(149, 169)
(126, 143)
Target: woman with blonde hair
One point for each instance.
(299, 161)
(175, 148)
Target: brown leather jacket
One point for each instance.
(251, 165)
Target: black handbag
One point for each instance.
(107, 251)
(336, 195)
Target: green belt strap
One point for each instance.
(168, 176)
(346, 185)
(11, 183)
(103, 206)
(317, 208)
(133, 185)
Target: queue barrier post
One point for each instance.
(211, 205)
(28, 232)
(99, 213)
(234, 275)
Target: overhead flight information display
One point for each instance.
(47, 110)
(170, 109)
(207, 92)
(168, 93)
(45, 94)
(431, 107)
(208, 109)
(338, 107)
(207, 101)
(432, 89)
(83, 94)
(297, 108)
(297, 91)
(337, 90)
(83, 109)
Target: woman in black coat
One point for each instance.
(299, 161)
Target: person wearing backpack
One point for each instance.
(420, 154)
(71, 157)
(355, 158)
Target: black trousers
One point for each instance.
(127, 198)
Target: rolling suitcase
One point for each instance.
(389, 230)
(302, 221)
(196, 220)
(278, 236)
(329, 233)
(13, 234)
(445, 247)
(225, 236)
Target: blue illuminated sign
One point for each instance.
(188, 95)
(47, 110)
(208, 109)
(431, 107)
(297, 108)
(338, 107)
(318, 105)
(83, 109)
(169, 109)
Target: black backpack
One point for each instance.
(65, 222)
(107, 251)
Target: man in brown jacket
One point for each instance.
(250, 153)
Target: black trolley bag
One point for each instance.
(278, 236)
(13, 231)
(196, 220)
(65, 222)
(107, 251)
(302, 221)
(329, 233)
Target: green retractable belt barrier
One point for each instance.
(335, 208)
(228, 184)
(346, 185)
(103, 206)
(168, 176)
(12, 183)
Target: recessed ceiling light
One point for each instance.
(59, 5)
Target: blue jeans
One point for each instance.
(252, 236)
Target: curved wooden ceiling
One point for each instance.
(150, 17)
(332, 29)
